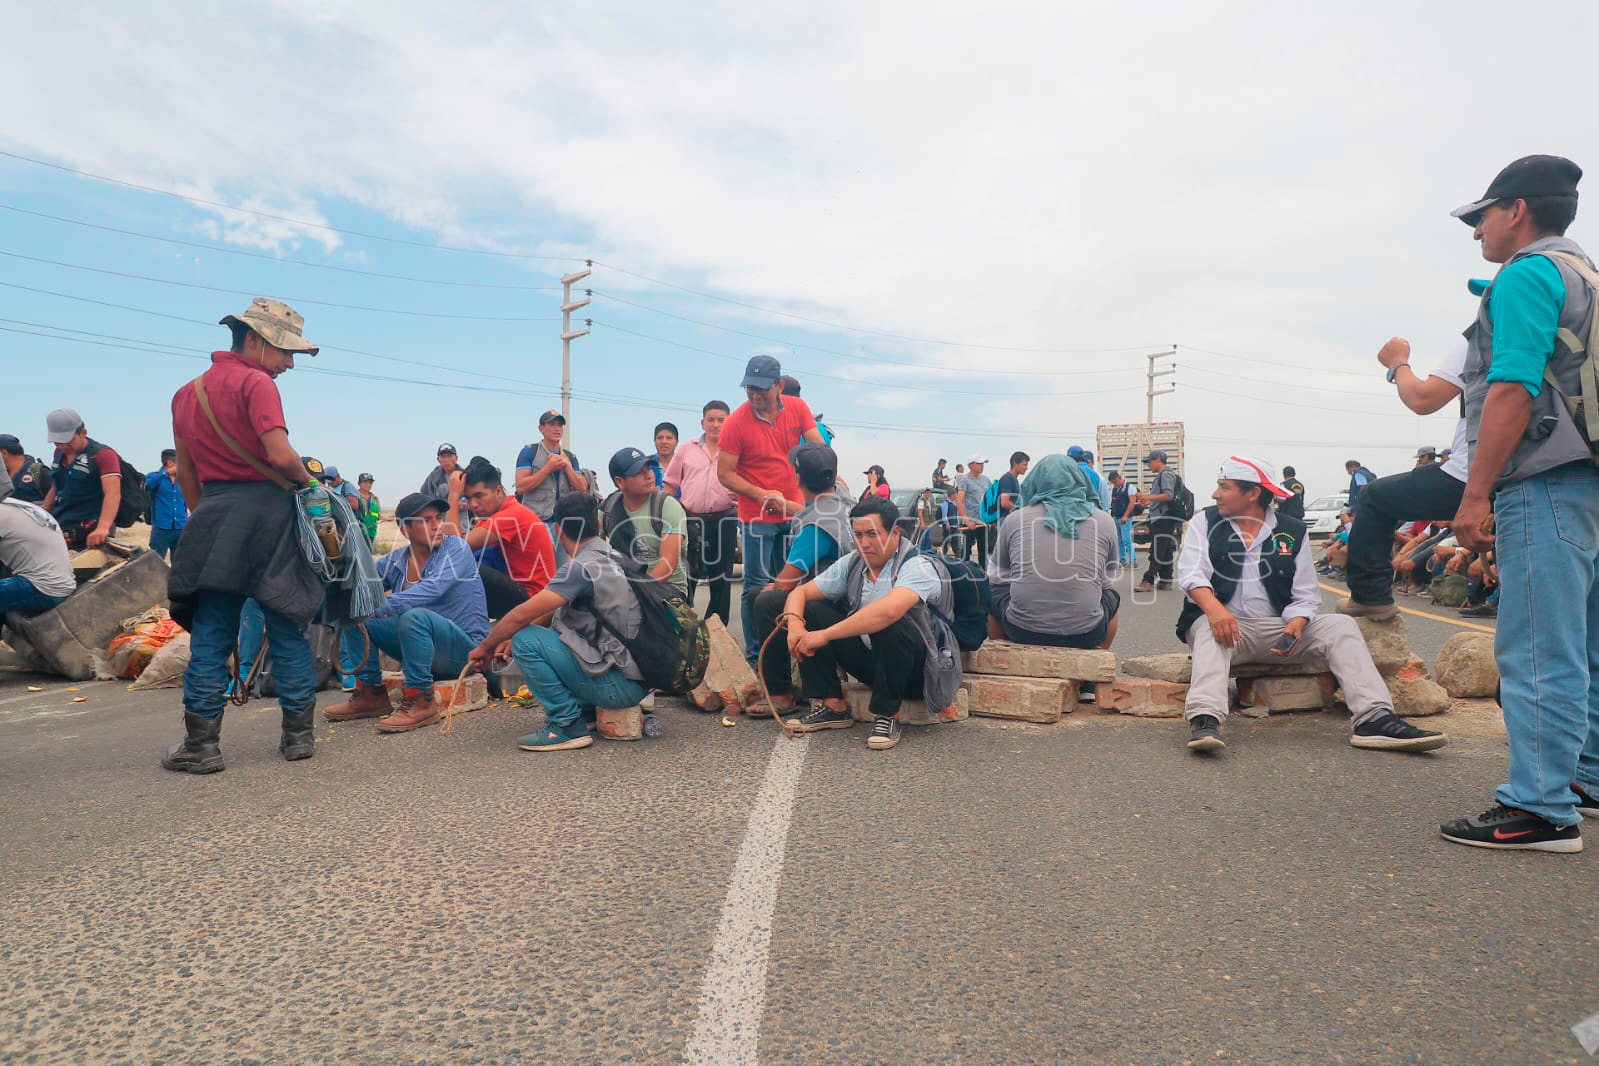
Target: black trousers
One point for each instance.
(711, 540)
(892, 665)
(1423, 493)
(1164, 533)
(983, 539)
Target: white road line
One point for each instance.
(733, 994)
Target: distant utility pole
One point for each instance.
(568, 335)
(1153, 374)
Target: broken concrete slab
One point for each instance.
(1001, 658)
(1022, 699)
(1177, 668)
(1276, 694)
(735, 682)
(68, 637)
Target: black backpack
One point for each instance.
(135, 503)
(672, 648)
(969, 621)
(619, 526)
(1182, 501)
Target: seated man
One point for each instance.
(569, 661)
(821, 536)
(869, 613)
(503, 523)
(433, 615)
(35, 568)
(645, 523)
(1253, 598)
(1052, 572)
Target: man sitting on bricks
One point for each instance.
(1253, 598)
(433, 615)
(821, 536)
(572, 662)
(869, 613)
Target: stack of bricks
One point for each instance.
(1027, 683)
(1159, 687)
(729, 685)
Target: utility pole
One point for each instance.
(568, 335)
(1153, 374)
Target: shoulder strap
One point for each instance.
(1589, 371)
(657, 506)
(255, 464)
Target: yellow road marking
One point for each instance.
(1418, 614)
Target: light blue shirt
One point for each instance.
(916, 574)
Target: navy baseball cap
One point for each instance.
(813, 462)
(416, 503)
(762, 372)
(552, 416)
(628, 462)
(10, 443)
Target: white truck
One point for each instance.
(1121, 448)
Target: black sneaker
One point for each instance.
(820, 716)
(1390, 732)
(1204, 733)
(1508, 828)
(1587, 804)
(885, 734)
(1482, 610)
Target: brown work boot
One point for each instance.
(368, 701)
(1377, 612)
(416, 710)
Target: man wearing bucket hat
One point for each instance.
(1252, 597)
(238, 473)
(1531, 391)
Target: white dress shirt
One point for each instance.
(1194, 570)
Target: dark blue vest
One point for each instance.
(1278, 560)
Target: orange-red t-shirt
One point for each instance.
(762, 448)
(525, 542)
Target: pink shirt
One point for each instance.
(693, 470)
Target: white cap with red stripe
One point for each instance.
(1257, 471)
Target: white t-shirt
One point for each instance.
(1451, 369)
(31, 546)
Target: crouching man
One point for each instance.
(1252, 597)
(434, 613)
(565, 638)
(878, 612)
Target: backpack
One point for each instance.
(968, 622)
(1584, 407)
(1182, 501)
(135, 503)
(672, 647)
(988, 510)
(619, 527)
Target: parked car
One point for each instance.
(1321, 515)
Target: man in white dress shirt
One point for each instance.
(1252, 597)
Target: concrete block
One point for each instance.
(471, 694)
(67, 637)
(1023, 699)
(1001, 658)
(1146, 699)
(911, 712)
(619, 723)
(1304, 693)
(1177, 668)
(735, 681)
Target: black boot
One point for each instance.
(199, 753)
(298, 735)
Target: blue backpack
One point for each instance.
(988, 510)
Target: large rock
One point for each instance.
(1388, 642)
(1177, 668)
(1414, 693)
(1466, 667)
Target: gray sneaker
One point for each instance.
(1204, 733)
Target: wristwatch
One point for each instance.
(1393, 371)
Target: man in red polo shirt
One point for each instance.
(237, 472)
(522, 536)
(754, 465)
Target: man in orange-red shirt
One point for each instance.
(754, 466)
(521, 535)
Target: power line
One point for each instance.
(275, 258)
(1311, 406)
(285, 218)
(286, 299)
(1378, 396)
(1257, 361)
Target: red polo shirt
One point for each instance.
(525, 541)
(246, 402)
(762, 448)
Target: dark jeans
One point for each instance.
(983, 538)
(212, 640)
(1423, 493)
(774, 663)
(1164, 534)
(500, 593)
(711, 538)
(1110, 602)
(892, 665)
(165, 541)
(18, 594)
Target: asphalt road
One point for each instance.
(985, 893)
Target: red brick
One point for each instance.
(1146, 699)
(620, 723)
(1025, 699)
(911, 712)
(471, 695)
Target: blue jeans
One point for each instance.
(1547, 639)
(765, 546)
(19, 594)
(429, 646)
(211, 641)
(557, 680)
(165, 541)
(1124, 535)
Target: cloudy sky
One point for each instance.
(962, 228)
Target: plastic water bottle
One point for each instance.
(319, 509)
(652, 726)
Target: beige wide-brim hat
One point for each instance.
(277, 323)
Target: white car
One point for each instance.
(1322, 514)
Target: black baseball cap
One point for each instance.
(10, 443)
(552, 416)
(1531, 175)
(416, 503)
(815, 462)
(446, 449)
(365, 477)
(762, 372)
(627, 462)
